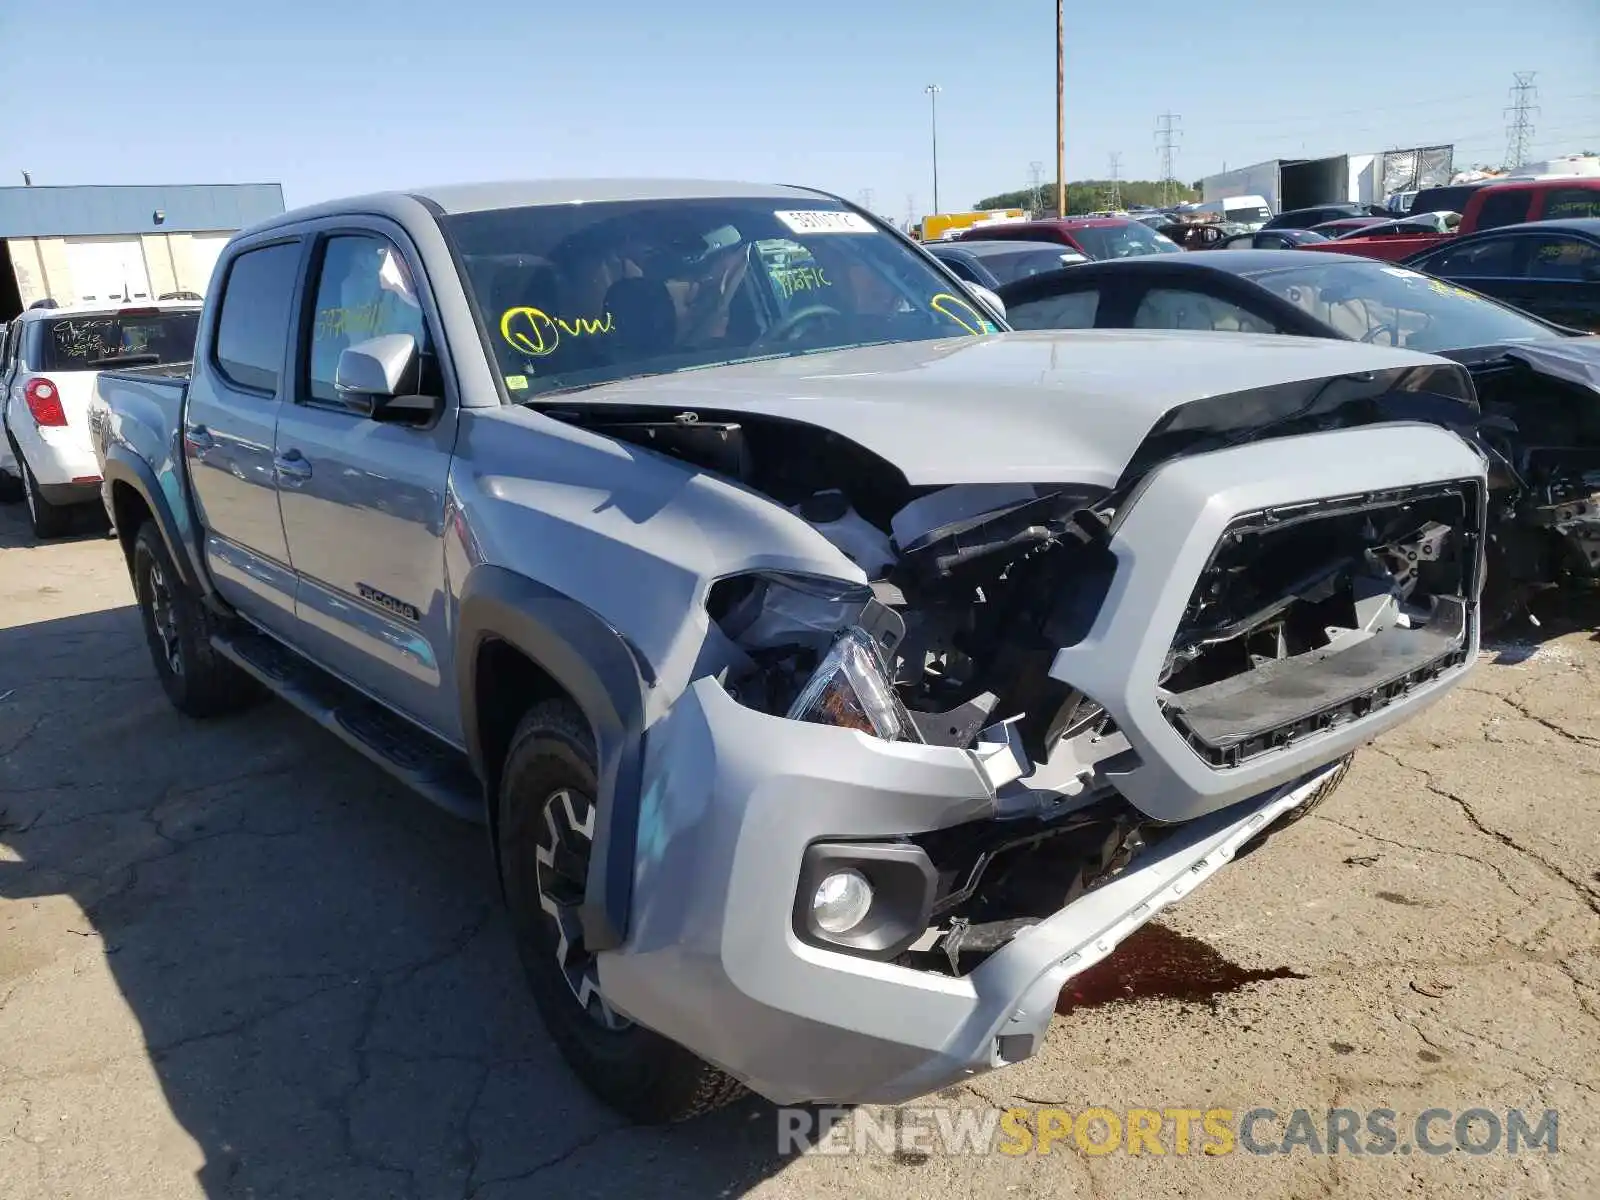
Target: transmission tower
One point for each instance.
(1520, 114)
(1036, 177)
(911, 212)
(865, 199)
(1114, 189)
(1167, 136)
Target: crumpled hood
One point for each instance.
(1031, 407)
(1577, 360)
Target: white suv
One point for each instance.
(49, 358)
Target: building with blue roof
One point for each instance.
(87, 244)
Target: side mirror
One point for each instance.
(988, 299)
(380, 377)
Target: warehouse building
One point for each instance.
(90, 244)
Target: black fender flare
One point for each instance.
(122, 466)
(594, 665)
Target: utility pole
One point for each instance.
(1519, 132)
(933, 110)
(1061, 110)
(1036, 177)
(1114, 192)
(1167, 135)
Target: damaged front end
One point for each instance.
(902, 811)
(1305, 617)
(1542, 408)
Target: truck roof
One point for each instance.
(478, 197)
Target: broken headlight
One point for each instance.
(851, 689)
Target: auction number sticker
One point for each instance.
(824, 220)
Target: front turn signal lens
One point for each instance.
(851, 689)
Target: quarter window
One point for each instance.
(364, 290)
(253, 327)
(1069, 310)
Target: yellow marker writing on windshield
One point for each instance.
(536, 332)
(799, 279)
(959, 311)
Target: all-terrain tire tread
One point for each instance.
(640, 1073)
(211, 685)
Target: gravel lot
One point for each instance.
(234, 960)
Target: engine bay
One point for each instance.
(1545, 520)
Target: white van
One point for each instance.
(1252, 212)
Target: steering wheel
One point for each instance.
(786, 326)
(1391, 329)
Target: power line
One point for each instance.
(1375, 110)
(1167, 135)
(1519, 133)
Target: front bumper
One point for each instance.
(734, 796)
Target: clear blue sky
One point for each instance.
(330, 97)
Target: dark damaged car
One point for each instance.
(838, 674)
(1537, 383)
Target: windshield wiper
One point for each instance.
(145, 359)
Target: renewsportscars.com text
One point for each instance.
(1166, 1131)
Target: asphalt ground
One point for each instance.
(235, 960)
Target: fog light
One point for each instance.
(841, 901)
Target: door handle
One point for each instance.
(198, 438)
(291, 464)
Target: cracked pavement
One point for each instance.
(236, 961)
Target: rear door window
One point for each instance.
(1503, 208)
(1178, 308)
(1069, 310)
(1572, 202)
(253, 326)
(1563, 258)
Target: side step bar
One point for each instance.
(435, 771)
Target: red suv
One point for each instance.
(1093, 237)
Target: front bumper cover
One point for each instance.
(712, 961)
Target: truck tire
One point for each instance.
(48, 520)
(178, 629)
(546, 815)
(1300, 812)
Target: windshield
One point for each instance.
(1032, 261)
(1250, 215)
(575, 295)
(1128, 240)
(1393, 306)
(89, 343)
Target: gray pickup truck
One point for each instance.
(836, 671)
